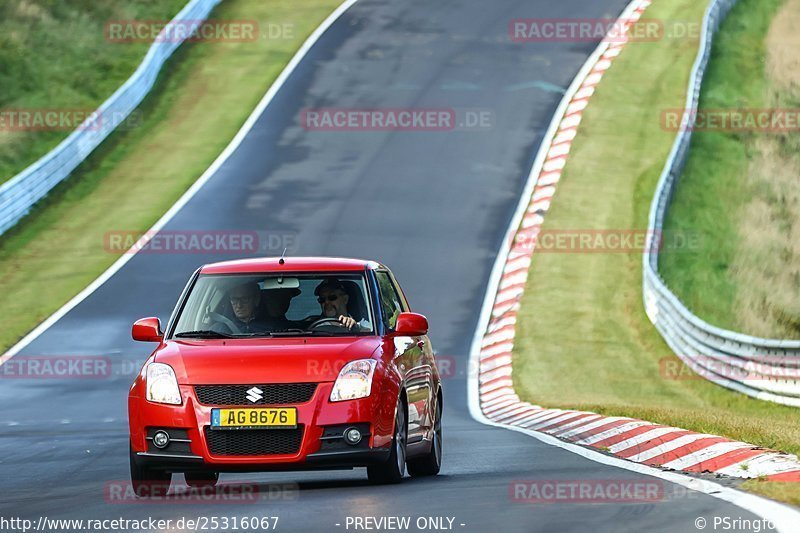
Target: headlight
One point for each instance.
(354, 381)
(162, 386)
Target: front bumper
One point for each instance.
(320, 420)
(315, 461)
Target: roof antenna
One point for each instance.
(282, 260)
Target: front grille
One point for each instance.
(254, 441)
(273, 394)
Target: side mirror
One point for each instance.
(411, 325)
(147, 330)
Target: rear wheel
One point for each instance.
(147, 482)
(430, 463)
(200, 480)
(392, 471)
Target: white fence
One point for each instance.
(19, 194)
(768, 369)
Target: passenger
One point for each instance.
(244, 301)
(277, 302)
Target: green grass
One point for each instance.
(747, 280)
(785, 492)
(207, 92)
(55, 55)
(583, 339)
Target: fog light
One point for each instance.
(352, 436)
(161, 439)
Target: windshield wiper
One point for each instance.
(306, 332)
(291, 332)
(204, 334)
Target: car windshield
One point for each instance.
(320, 304)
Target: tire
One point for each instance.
(200, 480)
(146, 482)
(430, 463)
(394, 468)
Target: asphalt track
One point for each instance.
(432, 205)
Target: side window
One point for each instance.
(390, 301)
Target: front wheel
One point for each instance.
(392, 471)
(430, 463)
(148, 483)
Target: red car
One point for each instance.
(286, 364)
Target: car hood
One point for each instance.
(256, 361)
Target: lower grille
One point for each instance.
(254, 441)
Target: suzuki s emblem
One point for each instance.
(255, 394)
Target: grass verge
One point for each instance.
(583, 339)
(740, 189)
(55, 55)
(203, 97)
(785, 492)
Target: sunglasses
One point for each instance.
(330, 298)
(240, 300)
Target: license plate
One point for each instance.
(261, 417)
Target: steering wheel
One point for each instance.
(225, 320)
(326, 322)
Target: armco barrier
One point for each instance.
(762, 368)
(20, 193)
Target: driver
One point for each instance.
(244, 301)
(333, 299)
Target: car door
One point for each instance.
(409, 359)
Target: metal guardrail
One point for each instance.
(767, 369)
(20, 193)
